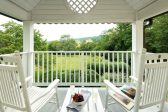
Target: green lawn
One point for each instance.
(71, 66)
(67, 62)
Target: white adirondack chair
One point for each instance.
(14, 93)
(151, 84)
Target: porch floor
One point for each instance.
(50, 107)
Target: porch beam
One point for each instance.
(156, 8)
(137, 44)
(28, 46)
(12, 10)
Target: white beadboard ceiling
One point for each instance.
(140, 4)
(28, 5)
(104, 11)
(58, 11)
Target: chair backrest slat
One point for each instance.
(155, 77)
(13, 92)
(10, 86)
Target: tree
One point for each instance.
(119, 38)
(64, 38)
(65, 44)
(87, 46)
(11, 38)
(156, 35)
(54, 46)
(69, 45)
(123, 37)
(116, 39)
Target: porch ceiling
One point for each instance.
(105, 11)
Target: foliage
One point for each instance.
(114, 77)
(64, 37)
(119, 38)
(111, 67)
(76, 76)
(65, 44)
(116, 39)
(53, 46)
(87, 46)
(156, 35)
(39, 43)
(11, 38)
(63, 62)
(67, 76)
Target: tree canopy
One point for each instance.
(87, 46)
(66, 43)
(118, 38)
(115, 39)
(11, 38)
(156, 35)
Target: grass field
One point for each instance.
(70, 63)
(67, 62)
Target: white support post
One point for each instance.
(137, 44)
(28, 46)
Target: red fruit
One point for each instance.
(78, 97)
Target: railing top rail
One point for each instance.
(22, 53)
(83, 51)
(26, 52)
(7, 54)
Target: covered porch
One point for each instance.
(62, 93)
(43, 65)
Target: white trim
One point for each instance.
(137, 43)
(158, 7)
(28, 46)
(12, 10)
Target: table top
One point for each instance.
(94, 103)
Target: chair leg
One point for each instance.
(106, 102)
(57, 100)
(161, 107)
(2, 108)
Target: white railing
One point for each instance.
(85, 68)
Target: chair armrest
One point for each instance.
(49, 88)
(115, 89)
(134, 78)
(28, 78)
(111, 86)
(52, 85)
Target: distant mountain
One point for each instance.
(82, 38)
(87, 38)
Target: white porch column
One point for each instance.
(28, 46)
(137, 43)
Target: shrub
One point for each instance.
(91, 76)
(68, 76)
(104, 67)
(110, 77)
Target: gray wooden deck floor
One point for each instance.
(50, 107)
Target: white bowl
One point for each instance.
(79, 103)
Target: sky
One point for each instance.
(54, 31)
